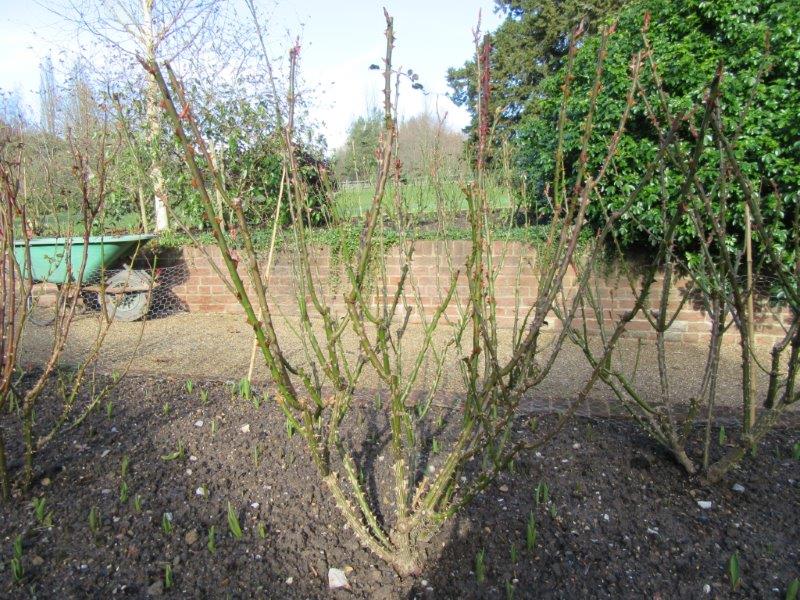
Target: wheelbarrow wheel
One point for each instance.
(128, 306)
(40, 312)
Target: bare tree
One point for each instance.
(155, 30)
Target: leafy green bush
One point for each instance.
(758, 45)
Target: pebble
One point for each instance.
(46, 481)
(738, 487)
(105, 453)
(200, 491)
(105, 491)
(503, 488)
(245, 428)
(191, 537)
(188, 471)
(37, 560)
(652, 530)
(198, 423)
(289, 580)
(337, 579)
(254, 505)
(706, 589)
(193, 458)
(706, 504)
(576, 446)
(606, 518)
(114, 430)
(156, 588)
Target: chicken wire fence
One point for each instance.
(124, 294)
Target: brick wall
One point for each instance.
(433, 265)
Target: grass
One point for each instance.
(354, 201)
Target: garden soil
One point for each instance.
(621, 519)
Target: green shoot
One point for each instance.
(115, 377)
(189, 386)
(723, 437)
(793, 589)
(109, 409)
(178, 453)
(435, 447)
(542, 494)
(796, 451)
(17, 570)
(233, 523)
(480, 566)
(167, 576)
(530, 533)
(553, 511)
(733, 571)
(166, 523)
(256, 452)
(244, 388)
(513, 553)
(262, 531)
(94, 519)
(39, 508)
(123, 492)
(165, 410)
(212, 540)
(137, 503)
(291, 428)
(123, 466)
(203, 397)
(509, 590)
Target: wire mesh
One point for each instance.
(125, 294)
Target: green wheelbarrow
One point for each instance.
(124, 295)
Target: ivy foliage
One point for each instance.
(758, 44)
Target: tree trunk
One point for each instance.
(153, 113)
(156, 173)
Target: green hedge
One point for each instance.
(689, 39)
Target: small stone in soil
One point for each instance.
(337, 579)
(289, 580)
(198, 423)
(706, 504)
(191, 537)
(245, 428)
(738, 487)
(156, 588)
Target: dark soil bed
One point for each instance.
(622, 521)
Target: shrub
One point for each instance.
(757, 43)
(317, 394)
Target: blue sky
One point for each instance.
(339, 42)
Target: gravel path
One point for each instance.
(218, 347)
